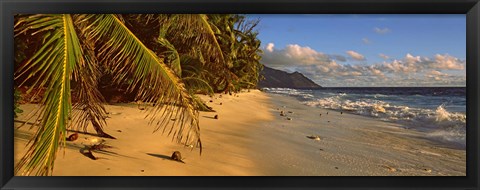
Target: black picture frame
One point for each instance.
(8, 8)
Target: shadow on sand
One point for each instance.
(161, 156)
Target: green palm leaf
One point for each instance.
(197, 84)
(172, 55)
(155, 81)
(53, 63)
(89, 100)
(193, 34)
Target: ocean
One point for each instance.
(439, 112)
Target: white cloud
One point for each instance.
(338, 57)
(307, 54)
(448, 62)
(294, 55)
(412, 59)
(355, 73)
(418, 64)
(376, 72)
(383, 56)
(411, 70)
(270, 47)
(437, 73)
(381, 30)
(366, 41)
(355, 55)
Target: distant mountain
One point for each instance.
(280, 79)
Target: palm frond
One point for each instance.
(191, 31)
(155, 81)
(89, 100)
(202, 106)
(172, 55)
(52, 65)
(194, 84)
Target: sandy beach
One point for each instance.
(251, 138)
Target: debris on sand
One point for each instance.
(391, 169)
(177, 157)
(314, 137)
(427, 170)
(72, 137)
(88, 150)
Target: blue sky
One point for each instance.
(367, 50)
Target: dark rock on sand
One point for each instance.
(177, 156)
(72, 137)
(314, 137)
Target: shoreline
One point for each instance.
(358, 145)
(250, 138)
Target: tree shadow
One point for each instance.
(161, 156)
(165, 157)
(87, 151)
(104, 135)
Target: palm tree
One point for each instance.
(247, 47)
(241, 46)
(72, 56)
(161, 59)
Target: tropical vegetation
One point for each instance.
(158, 59)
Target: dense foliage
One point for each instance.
(160, 60)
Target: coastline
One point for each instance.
(250, 138)
(354, 145)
